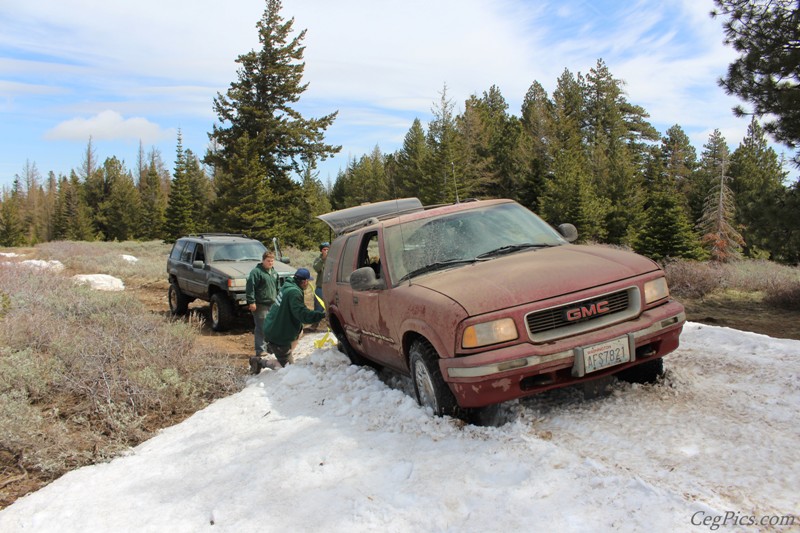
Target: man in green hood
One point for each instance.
(285, 320)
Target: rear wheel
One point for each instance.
(178, 302)
(648, 372)
(429, 386)
(221, 312)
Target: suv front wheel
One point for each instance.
(429, 386)
(221, 312)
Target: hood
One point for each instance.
(534, 275)
(241, 269)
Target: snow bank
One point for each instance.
(100, 282)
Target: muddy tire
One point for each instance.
(221, 313)
(178, 302)
(429, 386)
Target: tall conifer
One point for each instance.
(261, 139)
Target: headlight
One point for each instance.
(237, 283)
(489, 333)
(655, 290)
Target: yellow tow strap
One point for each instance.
(327, 337)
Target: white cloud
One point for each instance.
(108, 125)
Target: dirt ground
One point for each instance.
(236, 343)
(745, 313)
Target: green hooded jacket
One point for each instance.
(286, 317)
(262, 286)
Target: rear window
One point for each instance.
(177, 248)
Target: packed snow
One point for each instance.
(100, 282)
(322, 445)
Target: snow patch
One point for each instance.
(100, 282)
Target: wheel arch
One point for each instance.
(417, 329)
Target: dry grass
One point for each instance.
(86, 374)
(779, 284)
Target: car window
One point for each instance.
(199, 254)
(348, 259)
(238, 251)
(188, 250)
(369, 254)
(463, 236)
(177, 248)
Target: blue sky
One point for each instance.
(125, 72)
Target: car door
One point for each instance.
(197, 275)
(368, 306)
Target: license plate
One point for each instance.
(606, 354)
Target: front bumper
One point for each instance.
(525, 369)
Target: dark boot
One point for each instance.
(256, 364)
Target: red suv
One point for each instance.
(482, 302)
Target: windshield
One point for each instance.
(464, 237)
(238, 251)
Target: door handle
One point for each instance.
(355, 299)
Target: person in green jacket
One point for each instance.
(260, 292)
(285, 320)
(319, 268)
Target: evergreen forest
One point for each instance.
(584, 154)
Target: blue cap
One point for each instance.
(324, 245)
(303, 273)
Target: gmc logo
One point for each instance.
(584, 312)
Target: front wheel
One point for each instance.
(429, 386)
(221, 312)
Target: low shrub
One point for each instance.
(85, 374)
(694, 279)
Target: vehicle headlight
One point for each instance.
(237, 283)
(489, 333)
(655, 290)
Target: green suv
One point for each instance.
(214, 267)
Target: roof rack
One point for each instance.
(352, 218)
(220, 235)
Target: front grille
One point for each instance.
(556, 317)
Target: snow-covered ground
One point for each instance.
(325, 446)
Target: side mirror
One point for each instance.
(363, 279)
(198, 265)
(568, 231)
(284, 260)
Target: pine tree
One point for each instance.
(317, 201)
(410, 175)
(442, 149)
(11, 226)
(180, 206)
(720, 238)
(667, 231)
(121, 209)
(531, 153)
(679, 161)
(154, 201)
(715, 155)
(201, 191)
(767, 73)
(72, 216)
(570, 195)
(261, 138)
(757, 184)
(615, 132)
